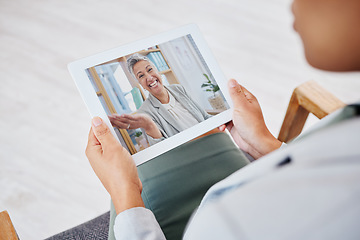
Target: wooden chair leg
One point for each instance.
(7, 230)
(307, 98)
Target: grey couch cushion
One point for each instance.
(96, 228)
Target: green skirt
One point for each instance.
(175, 182)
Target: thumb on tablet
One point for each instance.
(102, 132)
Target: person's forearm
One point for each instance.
(152, 130)
(126, 198)
(265, 144)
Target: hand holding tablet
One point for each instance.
(114, 167)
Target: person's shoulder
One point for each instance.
(177, 88)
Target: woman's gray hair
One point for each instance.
(133, 59)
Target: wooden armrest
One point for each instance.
(7, 230)
(307, 98)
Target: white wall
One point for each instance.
(188, 68)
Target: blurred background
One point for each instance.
(46, 182)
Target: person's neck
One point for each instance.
(163, 97)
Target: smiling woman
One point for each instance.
(166, 112)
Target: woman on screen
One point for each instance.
(167, 111)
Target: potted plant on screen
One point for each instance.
(140, 140)
(216, 100)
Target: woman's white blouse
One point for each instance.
(183, 116)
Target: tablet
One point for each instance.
(159, 92)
